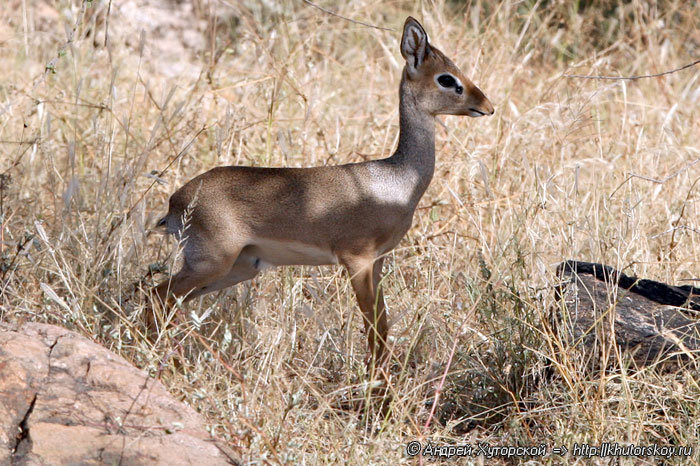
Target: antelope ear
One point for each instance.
(414, 45)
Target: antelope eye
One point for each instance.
(446, 80)
(459, 90)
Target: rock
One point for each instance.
(652, 320)
(67, 400)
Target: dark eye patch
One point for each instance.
(446, 80)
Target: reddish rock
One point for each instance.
(67, 400)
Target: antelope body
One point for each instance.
(244, 219)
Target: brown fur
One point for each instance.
(243, 218)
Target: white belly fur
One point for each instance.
(274, 252)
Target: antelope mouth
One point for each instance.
(475, 112)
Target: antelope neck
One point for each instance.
(415, 153)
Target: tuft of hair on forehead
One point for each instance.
(437, 54)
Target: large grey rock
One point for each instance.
(67, 400)
(599, 307)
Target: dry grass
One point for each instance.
(93, 144)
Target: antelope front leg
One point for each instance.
(365, 274)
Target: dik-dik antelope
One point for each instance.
(244, 219)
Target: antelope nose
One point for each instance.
(487, 107)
